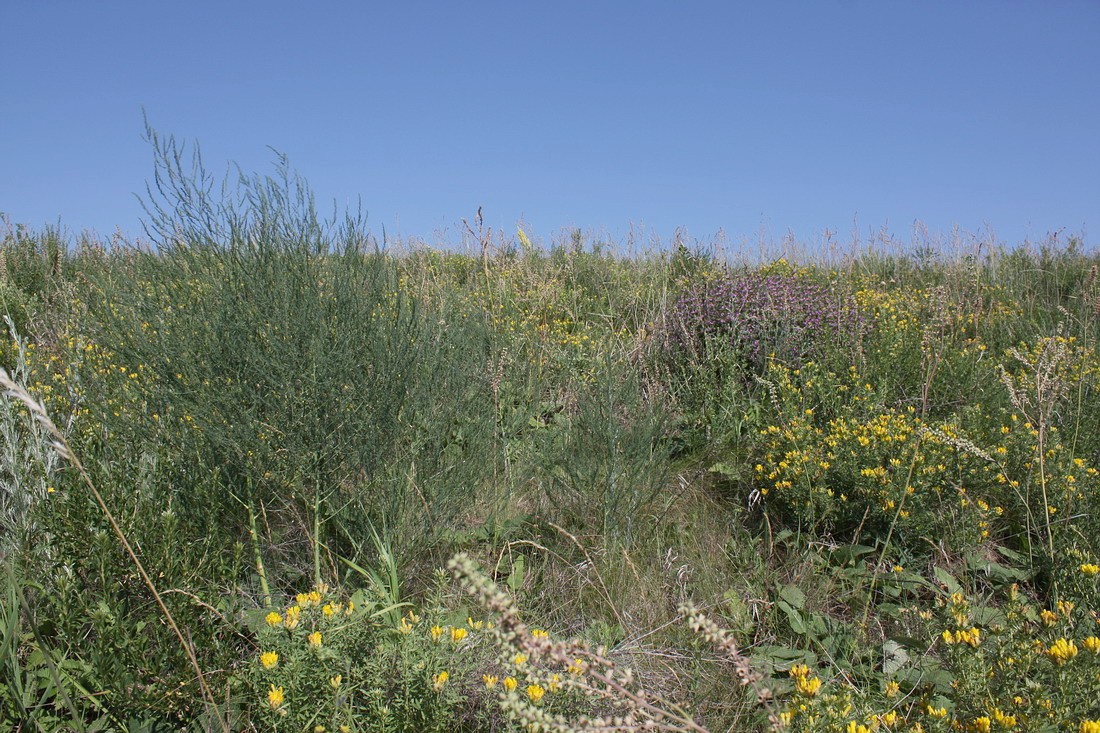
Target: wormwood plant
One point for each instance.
(280, 357)
(28, 465)
(607, 457)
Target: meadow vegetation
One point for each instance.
(262, 473)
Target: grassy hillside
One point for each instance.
(847, 493)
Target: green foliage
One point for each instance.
(268, 402)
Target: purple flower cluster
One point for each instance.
(761, 314)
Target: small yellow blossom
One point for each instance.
(1089, 726)
(807, 686)
(437, 633)
(293, 614)
(303, 600)
(555, 682)
(1090, 569)
(275, 697)
(519, 659)
(1049, 618)
(328, 610)
(982, 724)
(315, 639)
(314, 598)
(854, 727)
(892, 689)
(439, 680)
(269, 660)
(510, 683)
(458, 634)
(273, 619)
(935, 712)
(1092, 644)
(799, 670)
(576, 668)
(539, 634)
(489, 680)
(535, 692)
(1061, 651)
(475, 625)
(334, 682)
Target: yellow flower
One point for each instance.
(328, 610)
(1061, 651)
(275, 697)
(273, 619)
(293, 614)
(935, 712)
(1004, 720)
(535, 692)
(555, 682)
(303, 600)
(891, 719)
(437, 633)
(439, 680)
(1090, 569)
(785, 718)
(799, 670)
(350, 609)
(334, 682)
(972, 637)
(458, 634)
(315, 639)
(576, 668)
(807, 686)
(854, 727)
(475, 625)
(892, 688)
(405, 627)
(540, 634)
(1089, 726)
(519, 659)
(1092, 643)
(269, 660)
(489, 680)
(314, 598)
(510, 683)
(1049, 617)
(981, 725)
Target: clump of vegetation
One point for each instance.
(264, 474)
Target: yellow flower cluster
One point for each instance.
(1061, 651)
(972, 636)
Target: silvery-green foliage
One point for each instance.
(28, 463)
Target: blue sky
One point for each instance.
(747, 117)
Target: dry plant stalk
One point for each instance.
(590, 671)
(18, 392)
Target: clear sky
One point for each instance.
(746, 117)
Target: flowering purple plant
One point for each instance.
(760, 314)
